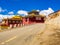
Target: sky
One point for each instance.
(24, 6)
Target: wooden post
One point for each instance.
(28, 21)
(18, 25)
(10, 25)
(14, 25)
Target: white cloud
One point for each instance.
(5, 16)
(8, 16)
(38, 10)
(22, 12)
(11, 12)
(47, 12)
(2, 10)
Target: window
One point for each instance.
(9, 21)
(37, 18)
(17, 21)
(26, 20)
(13, 21)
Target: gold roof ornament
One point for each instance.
(17, 17)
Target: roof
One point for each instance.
(35, 16)
(14, 18)
(33, 11)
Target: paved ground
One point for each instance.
(20, 36)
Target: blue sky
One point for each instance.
(28, 5)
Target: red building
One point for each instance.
(33, 17)
(12, 22)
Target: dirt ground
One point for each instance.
(50, 35)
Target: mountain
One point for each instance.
(54, 15)
(54, 19)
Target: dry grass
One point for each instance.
(1, 30)
(50, 35)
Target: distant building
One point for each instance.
(15, 21)
(12, 22)
(34, 17)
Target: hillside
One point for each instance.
(51, 34)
